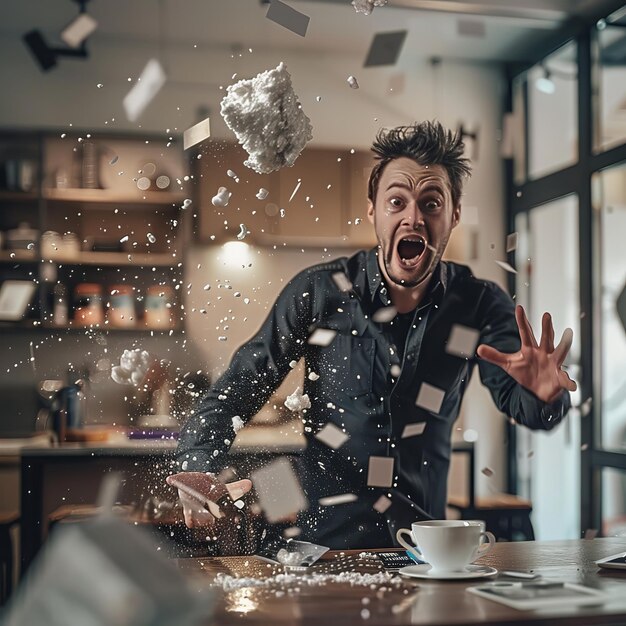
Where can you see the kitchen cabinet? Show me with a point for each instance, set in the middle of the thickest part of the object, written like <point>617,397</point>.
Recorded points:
<point>102,208</point>
<point>320,201</point>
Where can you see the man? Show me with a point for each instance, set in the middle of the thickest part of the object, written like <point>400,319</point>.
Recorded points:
<point>392,362</point>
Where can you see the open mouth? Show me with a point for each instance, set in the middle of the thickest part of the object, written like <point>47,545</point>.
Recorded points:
<point>410,249</point>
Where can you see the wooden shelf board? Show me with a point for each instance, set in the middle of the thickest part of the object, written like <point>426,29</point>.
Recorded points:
<point>107,196</point>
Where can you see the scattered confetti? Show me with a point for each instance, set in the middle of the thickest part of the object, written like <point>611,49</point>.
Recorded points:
<point>321,337</point>
<point>430,398</point>
<point>342,281</point>
<point>487,471</point>
<point>279,491</point>
<point>197,133</point>
<point>295,190</point>
<point>382,504</point>
<point>462,341</point>
<point>511,242</point>
<point>144,90</point>
<point>343,498</point>
<point>352,81</point>
<point>380,471</point>
<point>288,17</point>
<point>412,430</point>
<point>506,267</point>
<point>237,423</point>
<point>313,376</point>
<point>396,370</point>
<point>262,193</point>
<point>385,315</point>
<point>332,436</point>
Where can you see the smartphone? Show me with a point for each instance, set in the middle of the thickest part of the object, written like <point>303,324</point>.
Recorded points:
<point>616,561</point>
<point>396,560</point>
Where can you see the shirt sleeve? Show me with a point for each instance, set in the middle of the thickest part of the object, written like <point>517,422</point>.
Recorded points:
<point>500,331</point>
<point>255,371</point>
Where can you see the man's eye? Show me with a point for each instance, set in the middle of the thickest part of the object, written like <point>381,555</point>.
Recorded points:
<point>396,202</point>
<point>433,205</point>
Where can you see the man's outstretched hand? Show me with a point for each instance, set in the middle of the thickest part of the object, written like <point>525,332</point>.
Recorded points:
<point>204,498</point>
<point>537,367</point>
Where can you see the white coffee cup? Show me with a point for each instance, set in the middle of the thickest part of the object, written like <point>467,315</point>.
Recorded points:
<point>448,545</point>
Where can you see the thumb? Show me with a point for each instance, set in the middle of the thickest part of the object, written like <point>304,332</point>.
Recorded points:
<point>239,488</point>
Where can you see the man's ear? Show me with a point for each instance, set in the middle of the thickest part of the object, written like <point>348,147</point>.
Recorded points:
<point>370,211</point>
<point>456,215</point>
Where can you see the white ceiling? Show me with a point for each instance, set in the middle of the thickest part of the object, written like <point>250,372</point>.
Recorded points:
<point>509,26</point>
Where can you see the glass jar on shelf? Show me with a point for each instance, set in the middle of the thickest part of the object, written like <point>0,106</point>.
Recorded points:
<point>88,309</point>
<point>121,307</point>
<point>158,307</point>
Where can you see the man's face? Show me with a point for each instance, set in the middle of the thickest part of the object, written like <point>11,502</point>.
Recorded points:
<point>413,216</point>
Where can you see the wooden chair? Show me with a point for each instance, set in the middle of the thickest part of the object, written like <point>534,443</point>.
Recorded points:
<point>507,516</point>
<point>7,521</point>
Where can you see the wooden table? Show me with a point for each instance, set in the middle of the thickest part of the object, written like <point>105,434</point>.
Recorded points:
<point>414,601</point>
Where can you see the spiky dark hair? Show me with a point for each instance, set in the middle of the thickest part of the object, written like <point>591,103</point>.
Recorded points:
<point>427,143</point>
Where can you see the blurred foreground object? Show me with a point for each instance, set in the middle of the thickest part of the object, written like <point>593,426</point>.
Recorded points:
<point>105,573</point>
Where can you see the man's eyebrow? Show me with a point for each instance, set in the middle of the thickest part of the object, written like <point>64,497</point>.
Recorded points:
<point>400,184</point>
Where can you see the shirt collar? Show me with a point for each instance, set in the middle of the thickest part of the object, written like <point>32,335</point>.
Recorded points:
<point>378,286</point>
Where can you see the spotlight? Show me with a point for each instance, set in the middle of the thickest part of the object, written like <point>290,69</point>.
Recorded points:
<point>74,35</point>
<point>544,83</point>
<point>47,56</point>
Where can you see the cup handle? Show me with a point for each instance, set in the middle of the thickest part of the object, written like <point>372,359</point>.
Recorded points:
<point>407,546</point>
<point>485,548</point>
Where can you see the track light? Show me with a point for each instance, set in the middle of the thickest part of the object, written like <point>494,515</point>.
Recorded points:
<point>74,35</point>
<point>544,83</point>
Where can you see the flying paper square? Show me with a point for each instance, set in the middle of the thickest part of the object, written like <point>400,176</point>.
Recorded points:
<point>78,30</point>
<point>412,430</point>
<point>385,48</point>
<point>511,242</point>
<point>343,498</point>
<point>380,471</point>
<point>342,282</point>
<point>385,315</point>
<point>197,133</point>
<point>279,490</point>
<point>506,267</point>
<point>288,17</point>
<point>382,504</point>
<point>430,398</point>
<point>462,341</point>
<point>144,90</point>
<point>332,436</point>
<point>322,337</point>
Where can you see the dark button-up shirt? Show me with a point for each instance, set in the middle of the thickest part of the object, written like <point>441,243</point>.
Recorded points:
<point>371,388</point>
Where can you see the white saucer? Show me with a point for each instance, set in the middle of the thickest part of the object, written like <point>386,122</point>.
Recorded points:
<point>471,571</point>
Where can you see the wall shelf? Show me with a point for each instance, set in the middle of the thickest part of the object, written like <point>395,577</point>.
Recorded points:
<point>107,196</point>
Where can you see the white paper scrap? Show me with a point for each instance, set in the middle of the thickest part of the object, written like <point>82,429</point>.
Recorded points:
<point>412,430</point>
<point>332,436</point>
<point>78,30</point>
<point>343,498</point>
<point>505,266</point>
<point>197,133</point>
<point>382,504</point>
<point>462,341</point>
<point>380,471</point>
<point>279,491</point>
<point>144,90</point>
<point>321,337</point>
<point>342,282</point>
<point>511,242</point>
<point>385,315</point>
<point>396,370</point>
<point>430,398</point>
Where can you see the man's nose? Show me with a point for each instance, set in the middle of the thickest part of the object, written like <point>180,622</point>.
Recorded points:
<point>413,217</point>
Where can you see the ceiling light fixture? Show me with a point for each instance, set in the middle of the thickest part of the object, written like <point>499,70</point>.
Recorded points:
<point>74,35</point>
<point>544,83</point>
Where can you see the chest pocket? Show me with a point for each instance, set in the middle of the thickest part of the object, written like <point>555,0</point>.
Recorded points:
<point>349,361</point>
